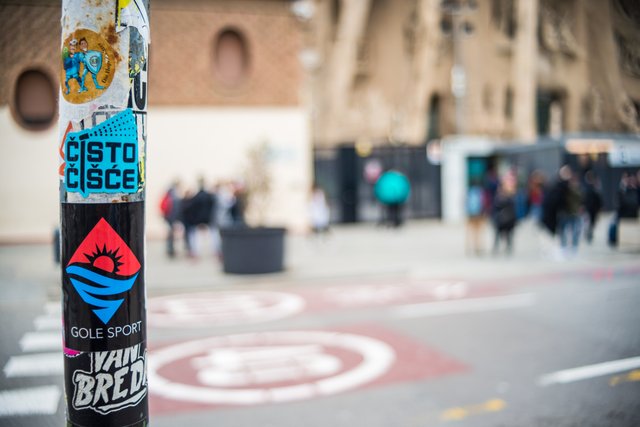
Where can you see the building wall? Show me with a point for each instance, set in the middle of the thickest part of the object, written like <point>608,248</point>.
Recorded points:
<point>581,53</point>
<point>182,53</point>
<point>199,123</point>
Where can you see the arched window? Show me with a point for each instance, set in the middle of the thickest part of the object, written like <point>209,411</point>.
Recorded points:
<point>231,57</point>
<point>34,102</point>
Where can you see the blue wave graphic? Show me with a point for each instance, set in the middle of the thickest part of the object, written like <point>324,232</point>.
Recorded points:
<point>85,282</point>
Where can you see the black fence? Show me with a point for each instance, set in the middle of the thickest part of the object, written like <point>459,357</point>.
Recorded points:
<point>348,180</point>
<point>548,155</point>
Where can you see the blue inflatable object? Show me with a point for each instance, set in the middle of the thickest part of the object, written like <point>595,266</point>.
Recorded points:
<point>392,187</point>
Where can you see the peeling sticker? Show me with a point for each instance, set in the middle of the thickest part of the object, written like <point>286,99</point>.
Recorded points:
<point>96,76</point>
<point>137,53</point>
<point>132,13</point>
<point>88,66</point>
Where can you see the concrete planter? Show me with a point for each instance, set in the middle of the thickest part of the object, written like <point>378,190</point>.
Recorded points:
<point>249,250</point>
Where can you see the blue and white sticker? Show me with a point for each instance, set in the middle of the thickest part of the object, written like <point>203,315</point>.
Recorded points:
<point>103,159</point>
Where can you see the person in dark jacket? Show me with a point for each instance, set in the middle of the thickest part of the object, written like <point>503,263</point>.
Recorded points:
<point>569,220</point>
<point>504,218</point>
<point>627,203</point>
<point>554,200</point>
<point>171,209</point>
<point>198,212</point>
<point>592,202</point>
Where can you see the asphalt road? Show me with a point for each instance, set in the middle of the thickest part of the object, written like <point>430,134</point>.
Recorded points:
<point>488,342</point>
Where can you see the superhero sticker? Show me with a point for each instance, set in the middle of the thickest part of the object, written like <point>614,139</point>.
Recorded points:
<point>88,66</point>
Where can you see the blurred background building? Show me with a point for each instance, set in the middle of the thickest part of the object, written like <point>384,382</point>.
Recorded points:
<point>340,90</point>
<point>396,77</point>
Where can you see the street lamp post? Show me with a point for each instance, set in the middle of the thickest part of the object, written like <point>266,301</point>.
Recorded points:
<point>460,27</point>
<point>103,132</point>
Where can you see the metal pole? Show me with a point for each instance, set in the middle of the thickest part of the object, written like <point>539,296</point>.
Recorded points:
<point>103,133</point>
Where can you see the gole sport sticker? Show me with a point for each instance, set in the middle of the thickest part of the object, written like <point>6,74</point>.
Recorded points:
<point>103,281</point>
<point>103,266</point>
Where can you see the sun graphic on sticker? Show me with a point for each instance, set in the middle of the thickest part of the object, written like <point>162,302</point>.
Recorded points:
<point>104,259</point>
<point>103,249</point>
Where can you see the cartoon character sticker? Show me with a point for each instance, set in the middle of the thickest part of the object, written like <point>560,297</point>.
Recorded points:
<point>86,54</point>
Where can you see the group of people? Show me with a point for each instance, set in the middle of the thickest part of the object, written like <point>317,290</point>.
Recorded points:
<point>202,209</point>
<point>567,208</point>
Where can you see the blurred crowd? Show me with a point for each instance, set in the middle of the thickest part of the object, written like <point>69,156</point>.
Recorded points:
<point>194,213</point>
<point>188,212</point>
<point>565,207</point>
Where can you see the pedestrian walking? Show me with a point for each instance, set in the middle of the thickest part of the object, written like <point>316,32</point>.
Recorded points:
<point>591,202</point>
<point>569,219</point>
<point>535,195</point>
<point>214,226</point>
<point>504,217</point>
<point>627,204</point>
<point>238,205</point>
<point>476,210</point>
<point>392,190</point>
<point>170,208</point>
<point>197,214</point>
<point>319,211</point>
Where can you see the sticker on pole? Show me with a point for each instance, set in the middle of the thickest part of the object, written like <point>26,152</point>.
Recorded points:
<point>103,159</point>
<point>103,266</point>
<point>206,309</point>
<point>88,66</point>
<point>284,366</point>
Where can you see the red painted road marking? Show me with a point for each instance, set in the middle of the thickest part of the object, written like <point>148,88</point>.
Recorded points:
<point>210,309</point>
<point>207,309</point>
<point>283,366</point>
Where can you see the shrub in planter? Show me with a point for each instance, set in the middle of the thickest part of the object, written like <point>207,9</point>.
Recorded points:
<point>253,248</point>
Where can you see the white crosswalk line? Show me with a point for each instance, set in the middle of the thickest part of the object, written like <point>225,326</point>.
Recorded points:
<point>47,322</point>
<point>41,341</point>
<point>53,308</point>
<point>30,401</point>
<point>34,365</point>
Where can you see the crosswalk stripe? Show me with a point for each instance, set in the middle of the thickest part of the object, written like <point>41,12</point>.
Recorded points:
<point>34,365</point>
<point>30,401</point>
<point>47,322</point>
<point>41,341</point>
<point>53,308</point>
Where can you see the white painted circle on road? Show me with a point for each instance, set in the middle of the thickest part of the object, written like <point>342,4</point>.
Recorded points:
<point>206,309</point>
<point>267,367</point>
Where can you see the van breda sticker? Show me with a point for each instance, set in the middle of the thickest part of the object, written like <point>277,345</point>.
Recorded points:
<point>103,159</point>
<point>116,380</point>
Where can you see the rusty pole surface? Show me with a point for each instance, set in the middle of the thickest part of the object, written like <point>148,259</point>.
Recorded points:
<point>103,102</point>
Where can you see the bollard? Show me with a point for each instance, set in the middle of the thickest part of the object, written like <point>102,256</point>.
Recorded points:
<point>103,132</point>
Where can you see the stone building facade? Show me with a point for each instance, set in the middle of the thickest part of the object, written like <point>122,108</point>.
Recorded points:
<point>412,70</point>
